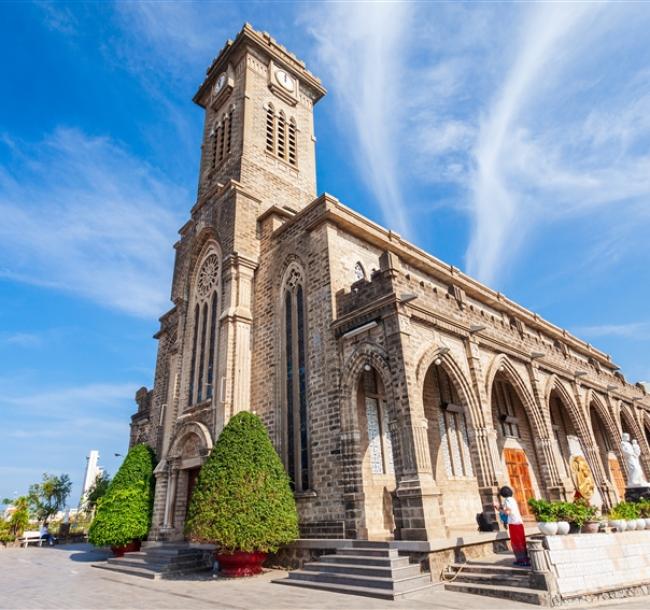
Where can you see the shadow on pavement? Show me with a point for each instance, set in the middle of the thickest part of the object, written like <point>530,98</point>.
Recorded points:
<point>83,552</point>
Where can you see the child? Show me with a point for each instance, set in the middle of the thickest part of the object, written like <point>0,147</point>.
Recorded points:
<point>510,508</point>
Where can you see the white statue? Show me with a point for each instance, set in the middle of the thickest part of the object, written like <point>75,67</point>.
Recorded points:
<point>631,452</point>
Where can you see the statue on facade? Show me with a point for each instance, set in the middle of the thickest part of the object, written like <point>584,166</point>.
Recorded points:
<point>631,452</point>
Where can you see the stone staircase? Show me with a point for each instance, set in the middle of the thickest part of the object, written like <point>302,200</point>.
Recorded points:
<point>361,567</point>
<point>497,577</point>
<point>160,560</point>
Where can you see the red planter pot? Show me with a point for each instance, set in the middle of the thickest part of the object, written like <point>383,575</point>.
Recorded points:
<point>130,547</point>
<point>240,563</point>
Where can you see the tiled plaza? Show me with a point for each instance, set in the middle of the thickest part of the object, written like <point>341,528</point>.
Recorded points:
<point>63,577</point>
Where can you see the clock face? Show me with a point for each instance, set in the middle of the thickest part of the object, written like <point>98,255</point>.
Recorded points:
<point>221,81</point>
<point>284,80</point>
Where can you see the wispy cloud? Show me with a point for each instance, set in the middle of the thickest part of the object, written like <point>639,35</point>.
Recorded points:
<point>639,331</point>
<point>82,215</point>
<point>20,339</point>
<point>359,50</point>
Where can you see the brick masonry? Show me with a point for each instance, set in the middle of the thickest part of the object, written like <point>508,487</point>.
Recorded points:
<point>371,300</point>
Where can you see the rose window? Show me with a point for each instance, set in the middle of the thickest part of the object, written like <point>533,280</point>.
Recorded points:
<point>208,274</point>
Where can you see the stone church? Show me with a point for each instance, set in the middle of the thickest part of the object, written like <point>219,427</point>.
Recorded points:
<point>399,392</point>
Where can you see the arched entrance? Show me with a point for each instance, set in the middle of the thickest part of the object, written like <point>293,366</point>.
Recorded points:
<point>376,447</point>
<point>606,450</point>
<point>189,450</point>
<point>449,434</point>
<point>515,442</point>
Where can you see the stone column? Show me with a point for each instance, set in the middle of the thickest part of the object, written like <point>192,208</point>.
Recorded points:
<point>489,469</point>
<point>236,321</point>
<point>545,444</point>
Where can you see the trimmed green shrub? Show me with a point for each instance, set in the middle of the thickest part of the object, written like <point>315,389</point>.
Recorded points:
<point>625,510</point>
<point>543,510</point>
<point>124,512</point>
<point>242,500</point>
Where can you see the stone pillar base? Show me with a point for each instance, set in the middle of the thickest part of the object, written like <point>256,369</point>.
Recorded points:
<point>420,515</point>
<point>634,494</point>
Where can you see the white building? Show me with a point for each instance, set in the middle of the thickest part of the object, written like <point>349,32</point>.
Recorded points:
<point>92,472</point>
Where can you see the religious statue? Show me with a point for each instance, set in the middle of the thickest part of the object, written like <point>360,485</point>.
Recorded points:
<point>582,479</point>
<point>631,452</point>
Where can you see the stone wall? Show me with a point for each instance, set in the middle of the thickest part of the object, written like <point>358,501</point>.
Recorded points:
<point>586,567</point>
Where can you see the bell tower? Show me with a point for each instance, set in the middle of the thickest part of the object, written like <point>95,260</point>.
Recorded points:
<point>258,100</point>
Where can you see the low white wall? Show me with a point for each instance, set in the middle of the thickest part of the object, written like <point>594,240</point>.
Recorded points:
<point>587,564</point>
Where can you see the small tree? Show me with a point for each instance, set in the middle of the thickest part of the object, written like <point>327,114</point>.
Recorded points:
<point>49,496</point>
<point>124,512</point>
<point>242,499</point>
<point>19,518</point>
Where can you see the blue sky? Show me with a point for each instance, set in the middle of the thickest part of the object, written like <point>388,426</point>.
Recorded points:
<point>511,140</point>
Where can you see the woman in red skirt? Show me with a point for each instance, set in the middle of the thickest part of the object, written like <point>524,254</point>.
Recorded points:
<point>510,508</point>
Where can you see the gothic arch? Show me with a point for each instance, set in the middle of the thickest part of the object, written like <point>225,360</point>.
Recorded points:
<point>593,401</point>
<point>292,261</point>
<point>366,353</point>
<point>555,384</point>
<point>456,375</point>
<point>501,364</point>
<point>630,420</point>
<point>205,240</point>
<point>187,430</point>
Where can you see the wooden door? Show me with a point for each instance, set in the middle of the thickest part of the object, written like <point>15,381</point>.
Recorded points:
<point>617,476</point>
<point>519,476</point>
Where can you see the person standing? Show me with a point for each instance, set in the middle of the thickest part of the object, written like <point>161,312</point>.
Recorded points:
<point>510,509</point>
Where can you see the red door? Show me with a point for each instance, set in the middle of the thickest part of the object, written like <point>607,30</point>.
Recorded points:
<point>519,476</point>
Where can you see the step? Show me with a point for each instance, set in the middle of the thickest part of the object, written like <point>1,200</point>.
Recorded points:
<point>376,582</point>
<point>351,590</point>
<point>518,594</point>
<point>490,568</point>
<point>370,544</point>
<point>364,570</point>
<point>361,551</point>
<point>159,566</point>
<point>393,561</point>
<point>494,579</point>
<point>130,570</point>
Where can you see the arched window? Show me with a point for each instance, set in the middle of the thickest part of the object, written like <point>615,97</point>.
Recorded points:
<point>205,295</point>
<point>359,272</point>
<point>216,138</point>
<point>295,385</point>
<point>380,445</point>
<point>452,427</point>
<point>282,136</point>
<point>270,129</point>
<point>506,403</point>
<point>292,149</point>
<point>222,140</point>
<point>228,132</point>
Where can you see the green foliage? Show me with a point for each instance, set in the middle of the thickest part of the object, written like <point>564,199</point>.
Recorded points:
<point>543,510</point>
<point>97,490</point>
<point>5,532</point>
<point>49,496</point>
<point>625,510</point>
<point>644,508</point>
<point>578,512</point>
<point>242,499</point>
<point>124,511</point>
<point>19,519</point>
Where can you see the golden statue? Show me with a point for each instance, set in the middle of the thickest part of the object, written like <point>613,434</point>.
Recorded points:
<point>581,476</point>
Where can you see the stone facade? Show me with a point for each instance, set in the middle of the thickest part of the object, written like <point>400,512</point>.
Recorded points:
<point>399,392</point>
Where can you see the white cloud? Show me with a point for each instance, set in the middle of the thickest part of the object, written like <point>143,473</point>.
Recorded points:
<point>20,339</point>
<point>359,51</point>
<point>639,331</point>
<point>82,215</point>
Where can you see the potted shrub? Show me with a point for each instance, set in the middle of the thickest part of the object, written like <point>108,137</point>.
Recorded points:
<point>623,516</point>
<point>583,516</point>
<point>242,501</point>
<point>564,513</point>
<point>644,511</point>
<point>545,515</point>
<point>123,514</point>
